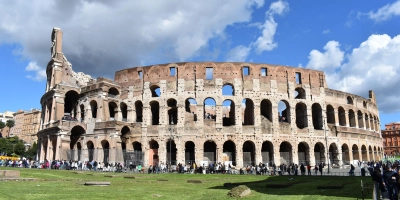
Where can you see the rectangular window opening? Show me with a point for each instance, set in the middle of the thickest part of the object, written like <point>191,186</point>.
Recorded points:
<point>264,72</point>
<point>246,71</point>
<point>209,73</point>
<point>172,71</point>
<point>298,78</point>
<point>140,73</point>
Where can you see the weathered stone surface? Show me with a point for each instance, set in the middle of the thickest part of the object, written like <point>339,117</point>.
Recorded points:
<point>98,183</point>
<point>239,191</point>
<point>10,173</point>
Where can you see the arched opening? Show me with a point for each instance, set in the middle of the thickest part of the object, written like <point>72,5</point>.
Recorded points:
<point>364,104</point>
<point>301,115</point>
<point>371,122</point>
<point>137,146</point>
<point>209,109</point>
<point>317,116</point>
<point>125,131</point>
<point>70,103</point>
<point>153,152</point>
<point>113,108</point>
<point>82,107</point>
<point>172,112</point>
<point>352,118</point>
<point>191,111</point>
<point>228,113</point>
<point>210,151</point>
<point>284,111</point>
<point>303,153</point>
<point>360,118</point>
<point>228,90</point>
<point>249,153</point>
<point>124,111</point>
<point>285,151</point>
<point>155,112</point>
<point>355,151</point>
<point>319,153</point>
<point>333,155</point>
<point>366,121</point>
<point>342,116</point>
<point>229,152</point>
<point>364,153</point>
<point>299,93</point>
<point>370,153</point>
<point>330,114</point>
<point>106,151</point>
<point>171,152</point>
<point>113,92</point>
<point>54,148</point>
<point>93,107</point>
<point>79,149</point>
<point>76,133</point>
<point>155,91</point>
<point>139,111</point>
<point>349,100</point>
<point>345,155</point>
<point>375,154</point>
<point>189,153</point>
<point>266,109</point>
<point>248,114</point>
<point>90,148</point>
<point>267,153</point>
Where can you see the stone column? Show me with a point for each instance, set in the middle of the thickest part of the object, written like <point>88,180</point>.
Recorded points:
<point>336,118</point>
<point>58,146</point>
<point>48,154</point>
<point>346,114</point>
<point>356,119</point>
<point>340,157</point>
<point>295,156</point>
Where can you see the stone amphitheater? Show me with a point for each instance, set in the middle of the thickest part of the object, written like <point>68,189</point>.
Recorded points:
<point>204,112</point>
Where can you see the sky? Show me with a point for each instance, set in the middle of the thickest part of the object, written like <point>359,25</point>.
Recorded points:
<point>356,43</point>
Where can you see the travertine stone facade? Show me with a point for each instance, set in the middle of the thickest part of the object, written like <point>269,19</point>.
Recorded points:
<point>391,139</point>
<point>27,124</point>
<point>243,113</point>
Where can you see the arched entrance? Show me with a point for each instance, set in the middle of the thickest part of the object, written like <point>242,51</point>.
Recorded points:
<point>370,153</point>
<point>345,154</point>
<point>267,152</point>
<point>210,149</point>
<point>333,154</point>
<point>303,153</point>
<point>229,152</point>
<point>76,133</point>
<point>90,148</point>
<point>355,151</point>
<point>249,153</point>
<point>189,152</point>
<point>364,153</point>
<point>285,151</point>
<point>319,153</point>
<point>153,152</point>
<point>171,152</point>
<point>106,151</point>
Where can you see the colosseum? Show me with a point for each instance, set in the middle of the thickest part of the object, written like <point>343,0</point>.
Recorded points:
<point>237,112</point>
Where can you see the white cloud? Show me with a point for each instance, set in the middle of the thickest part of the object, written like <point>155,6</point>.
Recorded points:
<point>328,60</point>
<point>374,65</point>
<point>40,74</point>
<point>326,31</point>
<point>386,12</point>
<point>101,37</point>
<point>266,41</point>
<point>238,54</point>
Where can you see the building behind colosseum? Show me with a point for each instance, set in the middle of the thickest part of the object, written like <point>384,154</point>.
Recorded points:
<point>245,113</point>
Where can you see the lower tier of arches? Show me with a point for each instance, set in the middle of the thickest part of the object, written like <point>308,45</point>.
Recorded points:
<point>247,150</point>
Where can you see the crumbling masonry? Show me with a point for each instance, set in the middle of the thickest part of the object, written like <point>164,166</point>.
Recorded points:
<point>243,113</point>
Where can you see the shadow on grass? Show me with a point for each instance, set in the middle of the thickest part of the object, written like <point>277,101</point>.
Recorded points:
<point>325,186</point>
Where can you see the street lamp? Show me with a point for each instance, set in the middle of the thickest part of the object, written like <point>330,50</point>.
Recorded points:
<point>326,143</point>
<point>170,147</point>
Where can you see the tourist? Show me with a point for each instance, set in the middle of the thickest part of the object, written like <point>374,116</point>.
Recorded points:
<point>309,169</point>
<point>390,182</point>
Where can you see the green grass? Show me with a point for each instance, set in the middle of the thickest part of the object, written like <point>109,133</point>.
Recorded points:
<point>62,184</point>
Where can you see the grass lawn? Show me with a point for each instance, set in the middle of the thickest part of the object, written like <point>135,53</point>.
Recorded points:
<point>62,184</point>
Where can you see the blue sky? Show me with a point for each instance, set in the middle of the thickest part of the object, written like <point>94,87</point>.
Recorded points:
<point>356,43</point>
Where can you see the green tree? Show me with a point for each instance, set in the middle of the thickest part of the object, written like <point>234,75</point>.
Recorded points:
<point>31,152</point>
<point>2,125</point>
<point>10,123</point>
<point>6,148</point>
